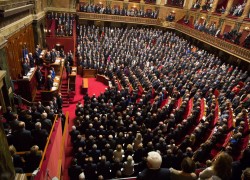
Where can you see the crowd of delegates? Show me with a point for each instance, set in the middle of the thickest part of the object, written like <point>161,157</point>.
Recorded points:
<point>134,12</point>
<point>154,76</point>
<point>210,28</point>
<point>28,130</point>
<point>64,23</point>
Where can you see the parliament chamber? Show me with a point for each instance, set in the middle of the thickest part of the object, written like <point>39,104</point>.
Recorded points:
<point>124,89</point>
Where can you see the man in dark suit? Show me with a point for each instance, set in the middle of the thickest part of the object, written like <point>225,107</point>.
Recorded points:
<point>31,60</point>
<point>53,55</point>
<point>90,169</point>
<point>49,83</point>
<point>46,123</point>
<point>14,124</point>
<point>35,114</point>
<point>8,115</point>
<point>37,57</point>
<point>74,170</point>
<point>39,77</point>
<point>22,138</point>
<point>94,153</point>
<point>26,67</point>
<point>68,69</point>
<point>73,134</point>
<point>32,159</point>
<point>40,107</point>
<point>154,170</point>
<point>59,101</point>
<point>103,168</point>
<point>40,135</point>
<point>50,113</point>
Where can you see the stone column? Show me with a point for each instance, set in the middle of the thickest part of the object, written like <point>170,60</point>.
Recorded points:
<point>229,5</point>
<point>246,10</point>
<point>214,6</point>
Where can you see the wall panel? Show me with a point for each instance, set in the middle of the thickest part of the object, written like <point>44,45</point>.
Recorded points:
<point>14,47</point>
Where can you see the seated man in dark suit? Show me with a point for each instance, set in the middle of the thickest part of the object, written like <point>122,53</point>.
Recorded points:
<point>154,170</point>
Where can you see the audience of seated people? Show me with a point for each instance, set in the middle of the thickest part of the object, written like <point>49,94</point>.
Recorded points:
<point>134,12</point>
<point>155,75</point>
<point>64,23</point>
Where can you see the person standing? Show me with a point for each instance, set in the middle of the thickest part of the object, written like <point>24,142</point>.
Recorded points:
<point>39,77</point>
<point>59,102</point>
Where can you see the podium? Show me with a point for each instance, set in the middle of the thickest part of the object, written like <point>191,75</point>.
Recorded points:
<point>89,73</point>
<point>27,86</point>
<point>72,79</point>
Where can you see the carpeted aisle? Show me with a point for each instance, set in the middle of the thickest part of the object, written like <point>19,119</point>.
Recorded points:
<point>96,88</point>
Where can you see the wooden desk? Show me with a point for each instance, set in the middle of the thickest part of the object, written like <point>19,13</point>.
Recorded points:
<point>27,86</point>
<point>88,73</point>
<point>102,79</point>
<point>72,78</point>
<point>85,85</point>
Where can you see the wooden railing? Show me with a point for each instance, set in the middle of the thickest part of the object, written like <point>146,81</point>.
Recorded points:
<point>64,142</point>
<point>24,101</point>
<point>48,142</point>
